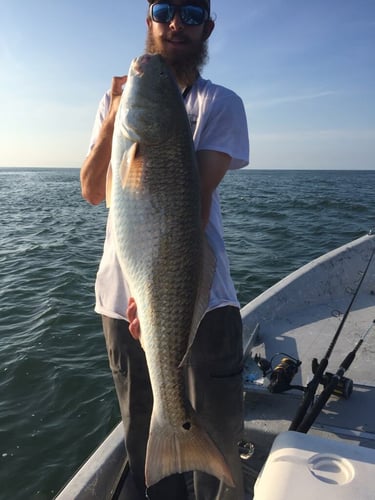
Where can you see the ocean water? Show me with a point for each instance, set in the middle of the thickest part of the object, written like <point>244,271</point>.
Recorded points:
<point>57,401</point>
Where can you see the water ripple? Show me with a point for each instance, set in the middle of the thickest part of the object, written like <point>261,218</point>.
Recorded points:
<point>58,400</point>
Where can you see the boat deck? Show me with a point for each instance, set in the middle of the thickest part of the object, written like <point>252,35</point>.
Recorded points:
<point>299,317</point>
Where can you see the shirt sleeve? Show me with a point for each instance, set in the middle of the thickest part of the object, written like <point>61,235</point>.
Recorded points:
<point>225,128</point>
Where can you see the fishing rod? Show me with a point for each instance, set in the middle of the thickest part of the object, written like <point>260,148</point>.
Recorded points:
<point>310,416</point>
<point>322,366</point>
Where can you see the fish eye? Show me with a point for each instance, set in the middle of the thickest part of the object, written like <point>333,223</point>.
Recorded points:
<point>186,426</point>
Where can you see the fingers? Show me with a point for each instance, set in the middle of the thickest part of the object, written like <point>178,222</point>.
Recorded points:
<point>135,329</point>
<point>117,84</point>
<point>116,91</point>
<point>134,325</point>
<point>131,311</point>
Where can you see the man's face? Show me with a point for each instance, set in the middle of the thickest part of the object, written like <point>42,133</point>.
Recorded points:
<point>175,41</point>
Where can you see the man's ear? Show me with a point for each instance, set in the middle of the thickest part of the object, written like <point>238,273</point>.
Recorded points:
<point>208,28</point>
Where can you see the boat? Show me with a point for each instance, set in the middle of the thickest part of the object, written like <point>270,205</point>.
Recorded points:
<point>309,388</point>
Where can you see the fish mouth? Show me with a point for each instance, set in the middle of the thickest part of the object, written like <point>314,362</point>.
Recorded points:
<point>140,63</point>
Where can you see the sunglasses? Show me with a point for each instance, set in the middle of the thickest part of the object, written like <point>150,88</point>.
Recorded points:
<point>191,15</point>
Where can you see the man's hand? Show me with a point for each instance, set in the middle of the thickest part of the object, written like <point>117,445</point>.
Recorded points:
<point>116,91</point>
<point>94,169</point>
<point>131,313</point>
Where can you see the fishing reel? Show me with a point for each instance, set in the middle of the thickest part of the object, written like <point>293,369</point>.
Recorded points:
<point>282,374</point>
<point>344,387</point>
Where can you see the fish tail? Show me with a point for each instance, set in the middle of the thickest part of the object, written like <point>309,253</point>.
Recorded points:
<point>171,450</point>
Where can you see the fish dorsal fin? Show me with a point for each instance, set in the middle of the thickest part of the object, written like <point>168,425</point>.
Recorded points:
<point>204,289</point>
<point>131,168</point>
<point>108,187</point>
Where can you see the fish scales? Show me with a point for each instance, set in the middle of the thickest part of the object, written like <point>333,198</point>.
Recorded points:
<point>155,205</point>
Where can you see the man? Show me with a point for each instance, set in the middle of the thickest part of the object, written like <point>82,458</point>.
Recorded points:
<point>179,32</point>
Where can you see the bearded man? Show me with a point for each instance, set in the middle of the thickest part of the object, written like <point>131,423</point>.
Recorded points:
<point>178,31</point>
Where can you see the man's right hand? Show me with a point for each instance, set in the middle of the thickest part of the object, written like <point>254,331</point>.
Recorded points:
<point>131,313</point>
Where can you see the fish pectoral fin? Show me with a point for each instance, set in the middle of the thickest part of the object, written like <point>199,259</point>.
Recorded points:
<point>108,187</point>
<point>203,296</point>
<point>173,450</point>
<point>131,168</point>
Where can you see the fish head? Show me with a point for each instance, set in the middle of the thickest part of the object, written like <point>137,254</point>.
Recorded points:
<point>148,111</point>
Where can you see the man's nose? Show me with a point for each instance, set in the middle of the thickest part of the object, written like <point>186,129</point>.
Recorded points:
<point>176,24</point>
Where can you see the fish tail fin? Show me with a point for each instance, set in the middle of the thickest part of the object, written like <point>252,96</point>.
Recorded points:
<point>171,450</point>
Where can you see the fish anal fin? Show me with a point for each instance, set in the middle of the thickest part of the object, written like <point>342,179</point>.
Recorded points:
<point>204,289</point>
<point>131,168</point>
<point>171,451</point>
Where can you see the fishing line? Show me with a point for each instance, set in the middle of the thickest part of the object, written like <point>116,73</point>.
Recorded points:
<point>330,388</point>
<point>343,320</point>
<point>321,367</point>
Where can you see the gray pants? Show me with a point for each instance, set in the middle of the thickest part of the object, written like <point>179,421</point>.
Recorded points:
<point>214,372</point>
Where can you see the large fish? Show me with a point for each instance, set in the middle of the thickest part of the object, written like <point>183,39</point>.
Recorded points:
<point>155,205</point>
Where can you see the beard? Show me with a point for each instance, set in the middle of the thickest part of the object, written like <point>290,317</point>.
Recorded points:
<point>187,65</point>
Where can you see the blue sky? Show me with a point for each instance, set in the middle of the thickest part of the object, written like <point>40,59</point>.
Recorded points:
<point>304,69</point>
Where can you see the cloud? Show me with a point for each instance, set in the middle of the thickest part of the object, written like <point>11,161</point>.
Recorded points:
<point>314,135</point>
<point>275,101</point>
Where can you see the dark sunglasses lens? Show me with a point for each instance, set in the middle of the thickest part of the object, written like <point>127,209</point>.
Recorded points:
<point>162,12</point>
<point>193,14</point>
<point>190,14</point>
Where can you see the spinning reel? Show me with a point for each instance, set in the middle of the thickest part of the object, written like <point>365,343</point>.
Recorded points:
<point>282,374</point>
<point>344,387</point>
